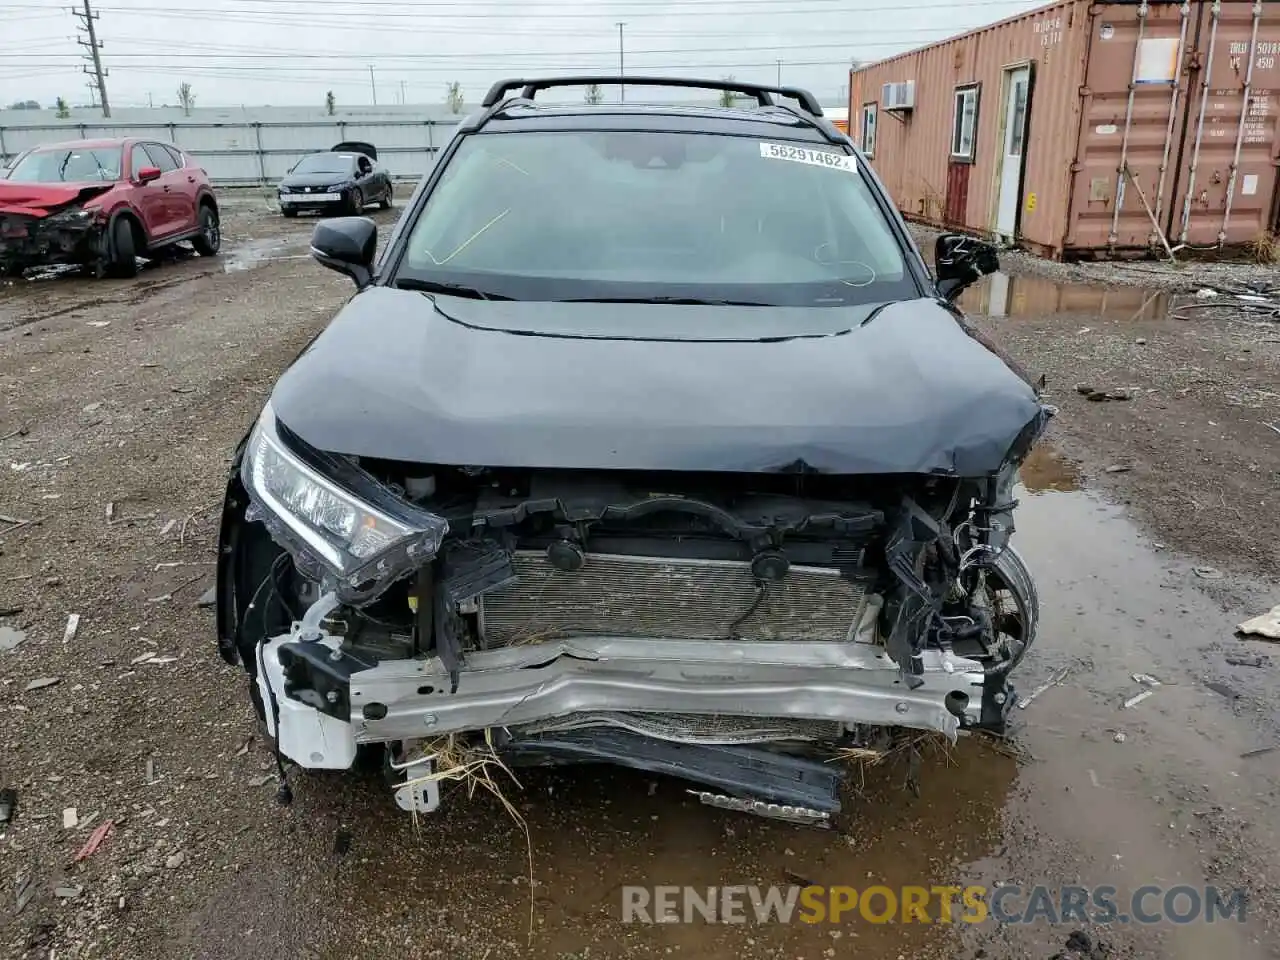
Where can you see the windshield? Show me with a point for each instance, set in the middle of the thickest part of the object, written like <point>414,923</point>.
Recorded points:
<point>656,215</point>
<point>68,166</point>
<point>325,163</point>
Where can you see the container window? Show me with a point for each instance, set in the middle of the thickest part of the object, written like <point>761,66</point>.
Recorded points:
<point>869,129</point>
<point>1019,118</point>
<point>964,125</point>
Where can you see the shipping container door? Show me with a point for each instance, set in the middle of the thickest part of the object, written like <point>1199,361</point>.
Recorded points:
<point>1013,123</point>
<point>1132,119</point>
<point>1228,176</point>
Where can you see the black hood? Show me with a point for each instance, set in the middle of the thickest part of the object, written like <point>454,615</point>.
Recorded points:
<point>906,391</point>
<point>316,179</point>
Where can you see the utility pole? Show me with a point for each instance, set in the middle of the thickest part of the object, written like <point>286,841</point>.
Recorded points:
<point>88,16</point>
<point>372,85</point>
<point>404,91</point>
<point>779,73</point>
<point>622,61</point>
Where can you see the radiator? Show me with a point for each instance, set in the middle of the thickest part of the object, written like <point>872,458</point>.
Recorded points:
<point>676,599</point>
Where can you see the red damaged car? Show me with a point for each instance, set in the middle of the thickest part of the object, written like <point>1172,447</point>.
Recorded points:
<point>103,203</point>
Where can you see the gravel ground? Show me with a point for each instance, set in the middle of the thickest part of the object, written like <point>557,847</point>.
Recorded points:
<point>131,395</point>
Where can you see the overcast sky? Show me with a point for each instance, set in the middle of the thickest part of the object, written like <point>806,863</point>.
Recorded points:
<point>290,52</point>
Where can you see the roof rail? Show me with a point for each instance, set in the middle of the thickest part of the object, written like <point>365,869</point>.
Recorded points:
<point>763,94</point>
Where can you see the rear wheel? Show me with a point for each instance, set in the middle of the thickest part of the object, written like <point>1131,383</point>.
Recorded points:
<point>209,239</point>
<point>121,259</point>
<point>385,202</point>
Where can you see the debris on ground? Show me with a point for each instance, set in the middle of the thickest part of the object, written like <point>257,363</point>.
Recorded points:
<point>42,682</point>
<point>1053,681</point>
<point>1257,752</point>
<point>10,638</point>
<point>1247,301</point>
<point>70,819</point>
<point>1222,689</point>
<point>1246,660</point>
<point>208,598</point>
<point>1208,573</point>
<point>1118,468</point>
<point>1137,699</point>
<point>8,804</point>
<point>1119,737</point>
<point>175,861</point>
<point>1146,679</point>
<point>1266,625</point>
<point>73,625</point>
<point>96,839</point>
<point>26,889</point>
<point>67,893</point>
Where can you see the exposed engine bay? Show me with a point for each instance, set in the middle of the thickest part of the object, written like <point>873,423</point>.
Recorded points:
<point>34,234</point>
<point>738,631</point>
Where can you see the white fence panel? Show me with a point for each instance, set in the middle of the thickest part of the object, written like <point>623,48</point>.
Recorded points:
<point>253,152</point>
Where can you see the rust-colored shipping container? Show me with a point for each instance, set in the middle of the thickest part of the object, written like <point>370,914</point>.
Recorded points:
<point>1077,128</point>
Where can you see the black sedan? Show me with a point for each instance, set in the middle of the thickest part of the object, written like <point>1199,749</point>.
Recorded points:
<point>346,178</point>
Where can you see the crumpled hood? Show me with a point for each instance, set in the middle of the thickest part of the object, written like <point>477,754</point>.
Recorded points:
<point>909,391</point>
<point>43,199</point>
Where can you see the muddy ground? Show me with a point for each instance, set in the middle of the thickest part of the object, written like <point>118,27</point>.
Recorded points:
<point>121,403</point>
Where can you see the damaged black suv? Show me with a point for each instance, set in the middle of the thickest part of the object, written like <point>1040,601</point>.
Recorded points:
<point>647,439</point>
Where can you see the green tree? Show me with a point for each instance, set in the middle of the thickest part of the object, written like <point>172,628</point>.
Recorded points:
<point>329,103</point>
<point>453,96</point>
<point>64,110</point>
<point>593,93</point>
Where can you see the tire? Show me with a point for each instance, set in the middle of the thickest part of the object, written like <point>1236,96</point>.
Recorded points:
<point>12,271</point>
<point>355,202</point>
<point>385,202</point>
<point>289,212</point>
<point>121,259</point>
<point>208,241</point>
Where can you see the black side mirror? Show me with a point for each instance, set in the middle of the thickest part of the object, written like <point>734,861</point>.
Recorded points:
<point>961,261</point>
<point>347,244</point>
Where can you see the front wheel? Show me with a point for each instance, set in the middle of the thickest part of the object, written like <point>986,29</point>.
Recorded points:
<point>121,260</point>
<point>355,202</point>
<point>209,239</point>
<point>385,202</point>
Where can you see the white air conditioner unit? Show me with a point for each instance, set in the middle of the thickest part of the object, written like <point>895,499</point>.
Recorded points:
<point>898,96</point>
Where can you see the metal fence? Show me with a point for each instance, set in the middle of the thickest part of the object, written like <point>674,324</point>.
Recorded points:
<point>254,152</point>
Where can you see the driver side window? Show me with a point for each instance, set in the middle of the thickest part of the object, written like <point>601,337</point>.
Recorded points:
<point>137,160</point>
<point>365,165</point>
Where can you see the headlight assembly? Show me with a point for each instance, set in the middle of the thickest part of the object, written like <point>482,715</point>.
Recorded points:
<point>341,526</point>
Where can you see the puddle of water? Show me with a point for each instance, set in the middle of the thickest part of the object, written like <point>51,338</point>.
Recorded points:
<point>1045,469</point>
<point>10,638</point>
<point>1006,295</point>
<point>254,253</point>
<point>1128,811</point>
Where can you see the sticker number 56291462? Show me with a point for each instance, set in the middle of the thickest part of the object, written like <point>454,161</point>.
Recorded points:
<point>817,158</point>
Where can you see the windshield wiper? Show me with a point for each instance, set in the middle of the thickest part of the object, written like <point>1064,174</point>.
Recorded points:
<point>687,301</point>
<point>442,286</point>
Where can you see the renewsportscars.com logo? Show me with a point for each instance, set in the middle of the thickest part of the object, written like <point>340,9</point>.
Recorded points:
<point>1011,904</point>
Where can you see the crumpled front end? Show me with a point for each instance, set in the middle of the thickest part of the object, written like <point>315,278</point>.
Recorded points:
<point>739,631</point>
<point>70,235</point>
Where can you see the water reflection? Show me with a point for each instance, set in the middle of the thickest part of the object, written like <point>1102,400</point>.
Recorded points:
<point>1005,295</point>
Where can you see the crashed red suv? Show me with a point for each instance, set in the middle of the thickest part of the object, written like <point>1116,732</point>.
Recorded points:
<point>102,204</point>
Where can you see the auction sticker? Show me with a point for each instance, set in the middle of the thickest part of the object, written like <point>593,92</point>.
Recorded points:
<point>817,158</point>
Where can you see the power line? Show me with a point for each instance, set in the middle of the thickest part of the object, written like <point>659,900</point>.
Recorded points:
<point>722,8</point>
<point>94,44</point>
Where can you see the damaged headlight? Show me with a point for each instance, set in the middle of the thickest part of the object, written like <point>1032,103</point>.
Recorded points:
<point>342,527</point>
<point>71,218</point>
